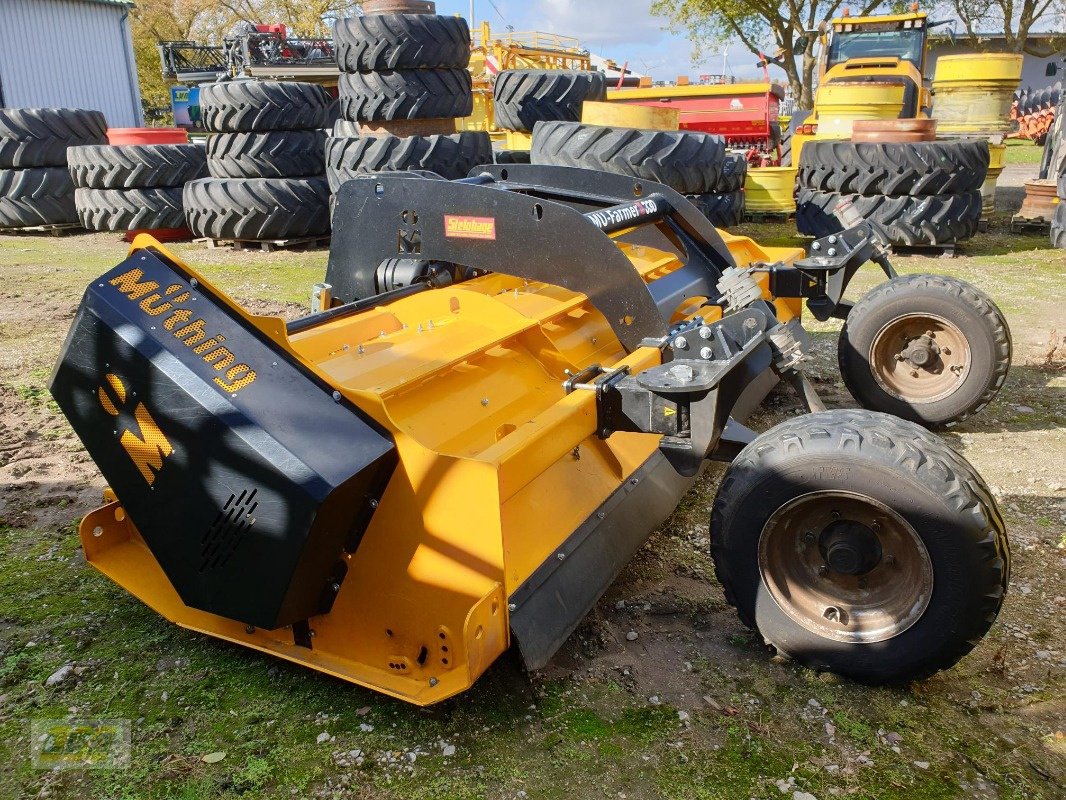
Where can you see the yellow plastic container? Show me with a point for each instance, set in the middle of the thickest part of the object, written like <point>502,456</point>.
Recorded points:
<point>973,93</point>
<point>841,104</point>
<point>624,115</point>
<point>770,190</point>
<point>517,140</point>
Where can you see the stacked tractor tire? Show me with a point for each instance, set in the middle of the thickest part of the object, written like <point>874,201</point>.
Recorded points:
<point>921,193</point>
<point>403,83</point>
<point>133,187</point>
<point>694,164</point>
<point>265,159</point>
<point>35,187</point>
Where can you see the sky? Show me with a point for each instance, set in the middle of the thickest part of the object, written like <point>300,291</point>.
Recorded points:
<point>621,29</point>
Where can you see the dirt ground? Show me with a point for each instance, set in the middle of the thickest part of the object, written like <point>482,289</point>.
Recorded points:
<point>691,707</point>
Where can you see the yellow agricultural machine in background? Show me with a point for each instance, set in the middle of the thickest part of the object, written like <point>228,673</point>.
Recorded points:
<point>518,377</point>
<point>871,68</point>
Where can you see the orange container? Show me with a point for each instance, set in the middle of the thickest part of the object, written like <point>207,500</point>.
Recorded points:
<point>118,136</point>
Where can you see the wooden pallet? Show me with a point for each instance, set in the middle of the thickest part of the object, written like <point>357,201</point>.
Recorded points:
<point>52,229</point>
<point>933,250</point>
<point>268,245</point>
<point>1038,224</point>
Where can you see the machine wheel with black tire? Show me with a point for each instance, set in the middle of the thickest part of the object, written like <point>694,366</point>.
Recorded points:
<point>686,161</point>
<point>451,157</point>
<point>510,157</point>
<point>247,105</point>
<point>37,196</point>
<point>908,221</point>
<point>406,94</point>
<point>39,137</point>
<point>377,42</point>
<point>724,210</point>
<point>272,154</point>
<point>130,209</point>
<point>1058,227</point>
<point>524,97</point>
<point>928,348</point>
<point>257,208</point>
<point>887,577</point>
<point>136,166</point>
<point>894,168</point>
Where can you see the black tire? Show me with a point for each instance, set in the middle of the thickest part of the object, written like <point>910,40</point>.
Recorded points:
<point>37,196</point>
<point>913,473</point>
<point>687,162</point>
<point>345,129</point>
<point>130,209</point>
<point>722,210</point>
<point>406,94</point>
<point>734,173</point>
<point>246,105</point>
<point>908,221</point>
<point>510,157</point>
<point>894,168</point>
<point>964,306</point>
<point>451,157</point>
<point>275,154</point>
<point>379,42</point>
<point>257,209</point>
<point>1058,227</point>
<point>524,97</point>
<point>39,137</point>
<point>99,166</point>
<point>786,148</point>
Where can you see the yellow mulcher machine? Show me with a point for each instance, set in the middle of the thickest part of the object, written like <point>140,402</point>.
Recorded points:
<point>518,377</point>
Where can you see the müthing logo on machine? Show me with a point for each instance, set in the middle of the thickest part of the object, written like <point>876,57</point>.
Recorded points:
<point>191,334</point>
<point>148,446</point>
<point>470,227</point>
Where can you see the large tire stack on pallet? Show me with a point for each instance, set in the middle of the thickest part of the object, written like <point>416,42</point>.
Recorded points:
<point>403,84</point>
<point>922,194</point>
<point>694,164</point>
<point>35,186</point>
<point>265,159</point>
<point>134,187</point>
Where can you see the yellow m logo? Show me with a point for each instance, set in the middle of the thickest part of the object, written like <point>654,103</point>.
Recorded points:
<point>147,449</point>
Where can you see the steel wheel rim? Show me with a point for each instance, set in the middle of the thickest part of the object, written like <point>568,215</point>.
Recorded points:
<point>873,605</point>
<point>920,358</point>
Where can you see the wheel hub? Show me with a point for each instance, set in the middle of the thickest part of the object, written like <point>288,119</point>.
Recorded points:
<point>850,548</point>
<point>919,358</point>
<point>845,566</point>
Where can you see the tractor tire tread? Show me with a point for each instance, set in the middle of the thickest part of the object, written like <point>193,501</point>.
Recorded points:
<point>451,157</point>
<point>130,209</point>
<point>686,161</point>
<point>378,42</point>
<point>98,166</point>
<point>36,196</point>
<point>39,137</point>
<point>524,97</point>
<point>406,94</point>
<point>244,106</point>
<point>894,168</point>
<point>258,208</point>
<point>908,221</point>
<point>270,154</point>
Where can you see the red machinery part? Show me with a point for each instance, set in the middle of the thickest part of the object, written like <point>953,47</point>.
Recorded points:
<point>120,136</point>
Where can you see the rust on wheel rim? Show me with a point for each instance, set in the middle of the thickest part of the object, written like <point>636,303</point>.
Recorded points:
<point>845,566</point>
<point>920,358</point>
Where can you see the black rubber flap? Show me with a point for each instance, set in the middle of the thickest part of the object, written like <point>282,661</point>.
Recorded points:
<point>243,473</point>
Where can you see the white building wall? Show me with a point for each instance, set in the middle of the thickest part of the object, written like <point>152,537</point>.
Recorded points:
<point>69,54</point>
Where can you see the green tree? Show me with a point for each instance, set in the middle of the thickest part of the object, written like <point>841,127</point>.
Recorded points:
<point>768,27</point>
<point>1015,19</point>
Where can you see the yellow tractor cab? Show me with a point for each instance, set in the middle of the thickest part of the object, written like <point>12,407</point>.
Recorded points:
<point>871,68</point>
